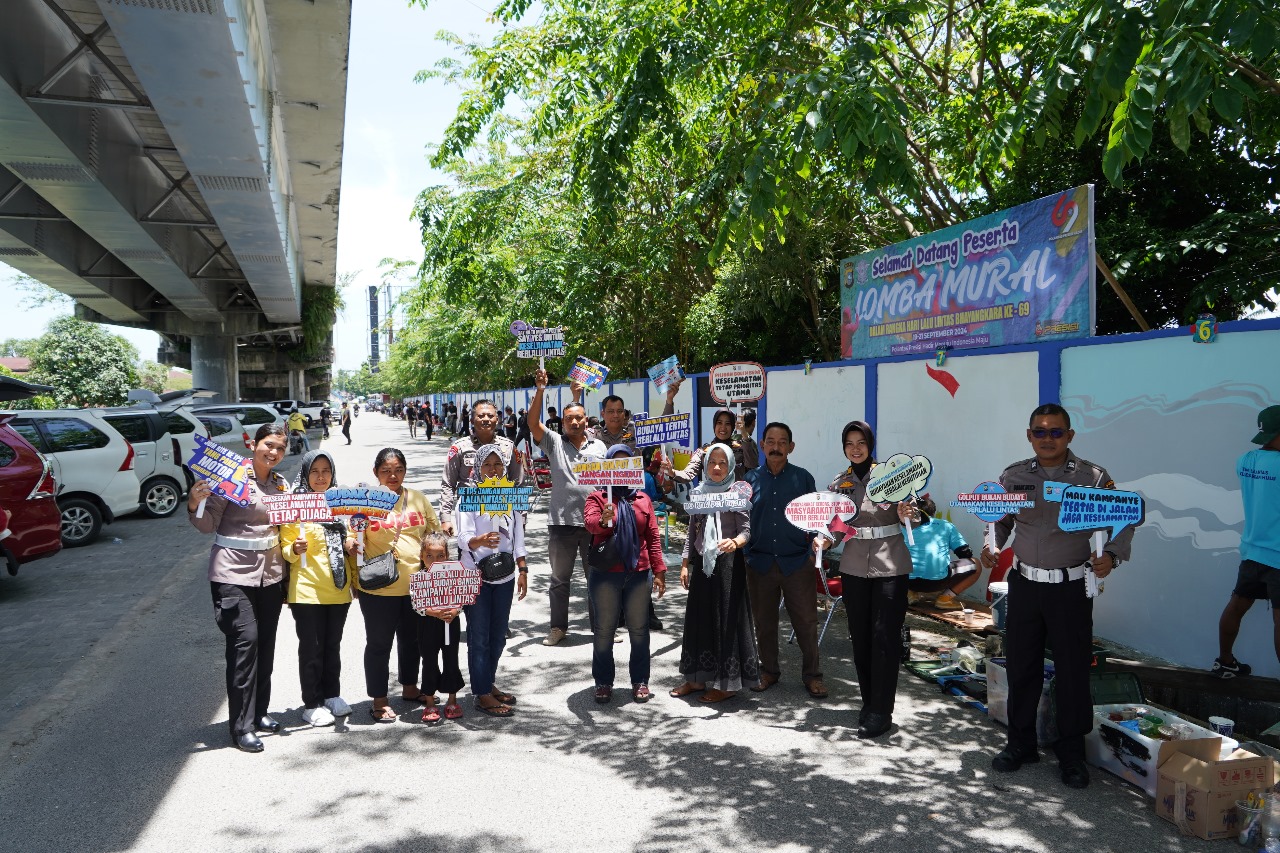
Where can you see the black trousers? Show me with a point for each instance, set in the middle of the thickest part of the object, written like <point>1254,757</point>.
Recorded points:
<point>876,608</point>
<point>319,628</point>
<point>437,676</point>
<point>387,618</point>
<point>428,426</point>
<point>346,431</point>
<point>1059,616</point>
<point>248,617</point>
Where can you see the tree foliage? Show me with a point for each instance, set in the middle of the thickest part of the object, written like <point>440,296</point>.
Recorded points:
<point>661,177</point>
<point>85,364</point>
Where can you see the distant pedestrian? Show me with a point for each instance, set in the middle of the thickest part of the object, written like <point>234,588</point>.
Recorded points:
<point>345,420</point>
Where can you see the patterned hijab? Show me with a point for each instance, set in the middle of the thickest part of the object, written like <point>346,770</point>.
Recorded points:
<point>711,533</point>
<point>334,531</point>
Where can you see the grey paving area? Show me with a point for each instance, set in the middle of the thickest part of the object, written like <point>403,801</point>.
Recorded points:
<point>114,735</point>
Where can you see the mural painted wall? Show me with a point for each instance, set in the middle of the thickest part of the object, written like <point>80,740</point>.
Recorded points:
<point>1169,418</point>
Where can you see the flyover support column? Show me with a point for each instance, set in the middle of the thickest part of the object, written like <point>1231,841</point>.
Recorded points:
<point>214,366</point>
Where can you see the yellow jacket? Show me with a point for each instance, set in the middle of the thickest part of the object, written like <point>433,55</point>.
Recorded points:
<point>297,421</point>
<point>404,527</point>
<point>310,581</point>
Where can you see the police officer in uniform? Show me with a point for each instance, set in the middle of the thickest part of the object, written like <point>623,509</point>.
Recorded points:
<point>462,457</point>
<point>1048,604</point>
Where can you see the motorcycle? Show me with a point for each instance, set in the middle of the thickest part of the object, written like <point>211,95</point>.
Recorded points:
<point>295,442</point>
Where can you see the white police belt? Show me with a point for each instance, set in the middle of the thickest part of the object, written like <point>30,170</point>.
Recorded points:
<point>876,532</point>
<point>265,544</point>
<point>1039,575</point>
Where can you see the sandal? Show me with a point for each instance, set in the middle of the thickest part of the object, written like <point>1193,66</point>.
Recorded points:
<point>431,714</point>
<point>385,714</point>
<point>421,697</point>
<point>496,710</point>
<point>717,696</point>
<point>504,698</point>
<point>453,711</point>
<point>603,693</point>
<point>640,692</point>
<point>685,689</point>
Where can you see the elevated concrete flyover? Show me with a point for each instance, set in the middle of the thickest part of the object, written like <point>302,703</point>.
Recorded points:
<point>175,165</point>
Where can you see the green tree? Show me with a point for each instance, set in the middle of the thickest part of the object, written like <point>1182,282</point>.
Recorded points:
<point>152,376</point>
<point>85,364</point>
<point>16,347</point>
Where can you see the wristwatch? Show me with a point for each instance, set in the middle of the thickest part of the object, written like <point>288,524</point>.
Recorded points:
<point>1115,561</point>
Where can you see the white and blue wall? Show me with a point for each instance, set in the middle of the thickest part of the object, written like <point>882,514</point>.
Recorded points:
<point>1167,417</point>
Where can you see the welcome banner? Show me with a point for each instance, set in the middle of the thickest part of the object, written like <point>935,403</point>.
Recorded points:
<point>1018,276</point>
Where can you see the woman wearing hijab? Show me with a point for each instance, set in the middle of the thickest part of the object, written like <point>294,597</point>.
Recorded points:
<point>495,544</point>
<point>722,424</point>
<point>318,554</point>
<point>718,653</point>
<point>626,562</point>
<point>875,566</point>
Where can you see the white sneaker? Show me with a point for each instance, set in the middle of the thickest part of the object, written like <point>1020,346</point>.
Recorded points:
<point>338,706</point>
<point>318,716</point>
<point>554,637</point>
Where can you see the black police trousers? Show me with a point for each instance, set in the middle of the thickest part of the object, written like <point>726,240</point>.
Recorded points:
<point>1058,616</point>
<point>248,616</point>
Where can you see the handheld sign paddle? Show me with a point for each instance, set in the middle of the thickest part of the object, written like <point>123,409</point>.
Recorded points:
<point>897,478</point>
<point>736,498</point>
<point>824,513</point>
<point>226,472</point>
<point>989,502</point>
<point>444,586</point>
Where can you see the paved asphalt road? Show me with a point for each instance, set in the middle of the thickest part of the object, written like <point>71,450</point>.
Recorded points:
<point>114,728</point>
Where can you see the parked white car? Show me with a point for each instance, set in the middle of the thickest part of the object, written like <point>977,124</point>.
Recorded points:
<point>92,462</point>
<point>252,415</point>
<point>159,458</point>
<point>227,430</point>
<point>310,411</point>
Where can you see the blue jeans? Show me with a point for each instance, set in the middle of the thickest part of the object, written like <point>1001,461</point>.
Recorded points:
<point>487,633</point>
<point>610,593</point>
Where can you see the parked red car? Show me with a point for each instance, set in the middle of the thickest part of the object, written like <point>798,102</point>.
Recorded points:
<point>33,526</point>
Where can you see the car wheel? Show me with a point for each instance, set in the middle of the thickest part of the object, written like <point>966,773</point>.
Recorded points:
<point>81,522</point>
<point>160,498</point>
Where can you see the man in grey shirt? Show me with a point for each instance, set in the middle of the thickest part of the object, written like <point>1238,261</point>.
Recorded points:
<point>567,536</point>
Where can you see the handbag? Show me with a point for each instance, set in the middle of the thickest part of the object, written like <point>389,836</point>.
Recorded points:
<point>498,566</point>
<point>380,571</point>
<point>603,555</point>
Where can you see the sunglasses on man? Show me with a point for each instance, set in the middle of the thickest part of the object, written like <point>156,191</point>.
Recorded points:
<point>1041,432</point>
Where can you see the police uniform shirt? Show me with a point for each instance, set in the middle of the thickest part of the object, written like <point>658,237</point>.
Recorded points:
<point>871,558</point>
<point>1039,541</point>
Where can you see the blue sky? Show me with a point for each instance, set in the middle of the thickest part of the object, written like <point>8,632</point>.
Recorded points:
<point>390,122</point>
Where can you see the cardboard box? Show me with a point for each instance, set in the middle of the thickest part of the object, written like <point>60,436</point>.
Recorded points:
<point>1136,758</point>
<point>998,702</point>
<point>1199,794</point>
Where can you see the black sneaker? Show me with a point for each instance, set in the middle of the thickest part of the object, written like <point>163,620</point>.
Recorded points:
<point>1225,671</point>
<point>1011,758</point>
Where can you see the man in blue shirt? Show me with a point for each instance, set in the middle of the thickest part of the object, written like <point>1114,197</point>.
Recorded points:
<point>780,561</point>
<point>1259,577</point>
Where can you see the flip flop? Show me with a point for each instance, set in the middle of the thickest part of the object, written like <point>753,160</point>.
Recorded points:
<point>453,712</point>
<point>504,698</point>
<point>431,714</point>
<point>496,710</point>
<point>383,715</point>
